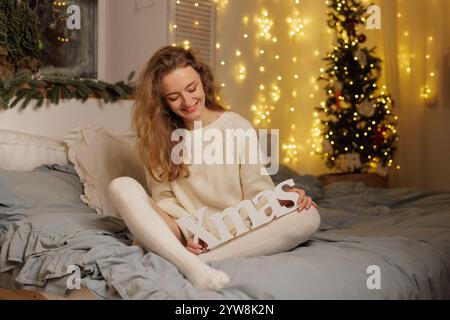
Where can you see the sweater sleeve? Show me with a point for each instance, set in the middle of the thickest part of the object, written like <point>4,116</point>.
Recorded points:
<point>164,197</point>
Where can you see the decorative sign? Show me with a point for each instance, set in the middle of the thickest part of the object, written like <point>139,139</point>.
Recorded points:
<point>258,217</point>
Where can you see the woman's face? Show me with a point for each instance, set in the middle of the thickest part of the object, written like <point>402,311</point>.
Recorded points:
<point>183,91</point>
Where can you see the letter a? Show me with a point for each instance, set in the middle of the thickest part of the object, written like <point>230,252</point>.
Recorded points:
<point>374,281</point>
<point>73,21</point>
<point>374,21</point>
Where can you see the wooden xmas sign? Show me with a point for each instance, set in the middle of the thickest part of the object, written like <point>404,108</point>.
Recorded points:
<point>258,217</point>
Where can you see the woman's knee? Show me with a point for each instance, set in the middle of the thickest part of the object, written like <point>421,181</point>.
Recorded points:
<point>302,224</point>
<point>123,185</point>
<point>313,221</point>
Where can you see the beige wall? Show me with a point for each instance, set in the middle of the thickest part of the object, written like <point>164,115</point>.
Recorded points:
<point>424,147</point>
<point>130,31</point>
<point>240,95</point>
<point>438,122</point>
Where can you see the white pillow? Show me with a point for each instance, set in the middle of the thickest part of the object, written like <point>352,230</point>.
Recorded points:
<point>24,151</point>
<point>99,157</point>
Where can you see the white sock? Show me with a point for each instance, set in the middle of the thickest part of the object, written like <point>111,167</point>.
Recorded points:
<point>152,232</point>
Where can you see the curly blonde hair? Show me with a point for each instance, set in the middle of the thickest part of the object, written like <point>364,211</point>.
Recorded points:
<point>154,121</point>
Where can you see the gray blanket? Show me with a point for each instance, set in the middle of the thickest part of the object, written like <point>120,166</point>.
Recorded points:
<point>404,234</point>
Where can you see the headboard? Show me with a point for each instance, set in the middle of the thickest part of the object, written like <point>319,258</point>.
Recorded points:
<point>55,120</point>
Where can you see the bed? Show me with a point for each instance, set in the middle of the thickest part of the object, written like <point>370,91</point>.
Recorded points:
<point>60,238</point>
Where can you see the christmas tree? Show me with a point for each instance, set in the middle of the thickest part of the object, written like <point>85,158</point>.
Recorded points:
<point>358,124</point>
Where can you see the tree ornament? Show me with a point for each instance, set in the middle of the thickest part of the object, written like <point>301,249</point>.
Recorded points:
<point>382,170</point>
<point>361,125</point>
<point>332,118</point>
<point>362,38</point>
<point>366,109</point>
<point>354,161</point>
<point>362,57</point>
<point>344,104</point>
<point>326,146</point>
<point>338,86</point>
<point>348,162</point>
<point>379,136</point>
<point>335,107</point>
<point>345,36</point>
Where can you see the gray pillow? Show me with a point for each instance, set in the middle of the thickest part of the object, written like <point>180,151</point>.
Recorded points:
<point>309,183</point>
<point>46,189</point>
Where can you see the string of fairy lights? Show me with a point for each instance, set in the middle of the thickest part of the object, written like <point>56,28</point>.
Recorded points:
<point>407,58</point>
<point>270,91</point>
<point>60,8</point>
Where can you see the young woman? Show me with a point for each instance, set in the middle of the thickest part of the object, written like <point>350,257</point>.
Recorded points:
<point>177,91</point>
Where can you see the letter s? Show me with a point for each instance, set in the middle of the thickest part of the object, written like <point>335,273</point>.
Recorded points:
<point>280,194</point>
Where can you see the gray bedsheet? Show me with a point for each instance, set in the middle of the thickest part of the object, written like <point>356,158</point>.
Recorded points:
<point>406,233</point>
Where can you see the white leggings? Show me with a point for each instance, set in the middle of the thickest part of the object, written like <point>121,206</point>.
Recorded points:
<point>153,233</point>
<point>279,235</point>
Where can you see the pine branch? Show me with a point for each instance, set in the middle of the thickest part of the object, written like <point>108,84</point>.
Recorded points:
<point>54,88</point>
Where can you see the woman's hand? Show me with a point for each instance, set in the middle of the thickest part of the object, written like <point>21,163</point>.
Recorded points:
<point>196,248</point>
<point>303,200</point>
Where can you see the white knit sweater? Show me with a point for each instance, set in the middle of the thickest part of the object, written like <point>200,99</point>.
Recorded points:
<point>215,186</point>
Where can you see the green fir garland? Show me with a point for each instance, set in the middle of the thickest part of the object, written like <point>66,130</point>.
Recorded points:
<point>24,87</point>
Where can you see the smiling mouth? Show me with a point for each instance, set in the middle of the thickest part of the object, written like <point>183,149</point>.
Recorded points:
<point>192,108</point>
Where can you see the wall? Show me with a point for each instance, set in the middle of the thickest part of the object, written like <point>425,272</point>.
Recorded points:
<point>130,31</point>
<point>423,150</point>
<point>299,78</point>
<point>437,119</point>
